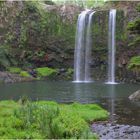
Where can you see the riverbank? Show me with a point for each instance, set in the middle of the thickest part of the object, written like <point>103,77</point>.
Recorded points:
<point>16,75</point>
<point>7,77</point>
<point>48,120</point>
<point>116,131</point>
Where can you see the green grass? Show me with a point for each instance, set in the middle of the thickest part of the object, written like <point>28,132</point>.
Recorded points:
<point>48,120</point>
<point>88,112</point>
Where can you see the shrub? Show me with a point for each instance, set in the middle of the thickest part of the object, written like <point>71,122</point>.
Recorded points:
<point>134,62</point>
<point>70,125</point>
<point>69,73</point>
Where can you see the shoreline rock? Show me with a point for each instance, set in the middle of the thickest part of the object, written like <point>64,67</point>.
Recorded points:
<point>116,131</point>
<point>6,77</point>
<point>135,96</point>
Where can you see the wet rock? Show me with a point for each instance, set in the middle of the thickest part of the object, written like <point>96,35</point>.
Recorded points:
<point>135,96</point>
<point>116,131</point>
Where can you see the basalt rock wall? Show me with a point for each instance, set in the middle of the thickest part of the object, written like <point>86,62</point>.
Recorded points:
<point>45,36</point>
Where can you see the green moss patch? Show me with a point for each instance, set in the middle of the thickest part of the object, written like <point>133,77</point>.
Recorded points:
<point>88,112</point>
<point>45,71</point>
<point>14,70</point>
<point>25,74</point>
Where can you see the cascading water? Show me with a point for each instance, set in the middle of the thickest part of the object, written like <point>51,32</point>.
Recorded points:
<point>88,49</point>
<point>111,46</point>
<point>83,47</point>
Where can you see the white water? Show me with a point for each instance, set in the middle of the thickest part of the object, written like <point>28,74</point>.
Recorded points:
<point>83,47</point>
<point>88,49</point>
<point>111,47</point>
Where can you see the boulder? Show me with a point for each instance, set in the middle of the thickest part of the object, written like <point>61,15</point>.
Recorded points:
<point>135,96</point>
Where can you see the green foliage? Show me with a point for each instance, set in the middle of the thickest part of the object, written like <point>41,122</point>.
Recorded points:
<point>14,70</point>
<point>138,8</point>
<point>45,120</point>
<point>135,42</point>
<point>45,71</point>
<point>6,58</point>
<point>82,3</point>
<point>25,74</point>
<point>23,36</point>
<point>69,73</point>
<point>69,125</point>
<point>134,26</point>
<point>134,62</point>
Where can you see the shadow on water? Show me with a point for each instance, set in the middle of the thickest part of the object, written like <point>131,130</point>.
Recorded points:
<point>114,98</point>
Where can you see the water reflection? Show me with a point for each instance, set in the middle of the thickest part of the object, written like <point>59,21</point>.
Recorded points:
<point>111,92</point>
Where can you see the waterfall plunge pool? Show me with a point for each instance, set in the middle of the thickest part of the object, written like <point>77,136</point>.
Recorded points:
<point>114,98</point>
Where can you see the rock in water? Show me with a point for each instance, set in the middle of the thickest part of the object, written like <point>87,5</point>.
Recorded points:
<point>135,96</point>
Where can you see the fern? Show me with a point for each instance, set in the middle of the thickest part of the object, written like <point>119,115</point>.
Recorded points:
<point>134,62</point>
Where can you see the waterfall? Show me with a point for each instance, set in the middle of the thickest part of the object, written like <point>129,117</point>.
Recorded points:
<point>82,55</point>
<point>88,49</point>
<point>111,46</point>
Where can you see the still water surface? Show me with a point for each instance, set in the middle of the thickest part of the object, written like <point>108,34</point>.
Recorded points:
<point>112,97</point>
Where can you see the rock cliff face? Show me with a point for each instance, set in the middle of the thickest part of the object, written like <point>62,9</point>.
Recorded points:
<point>46,36</point>
<point>126,12</point>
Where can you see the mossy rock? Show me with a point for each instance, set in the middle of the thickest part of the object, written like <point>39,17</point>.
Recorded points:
<point>45,71</point>
<point>25,74</point>
<point>15,70</point>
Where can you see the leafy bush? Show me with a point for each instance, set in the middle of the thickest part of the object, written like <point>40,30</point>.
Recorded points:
<point>69,73</point>
<point>45,71</point>
<point>25,74</point>
<point>134,62</point>
<point>14,70</point>
<point>134,26</point>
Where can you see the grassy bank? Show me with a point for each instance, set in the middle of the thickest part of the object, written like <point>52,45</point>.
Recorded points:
<point>48,120</point>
